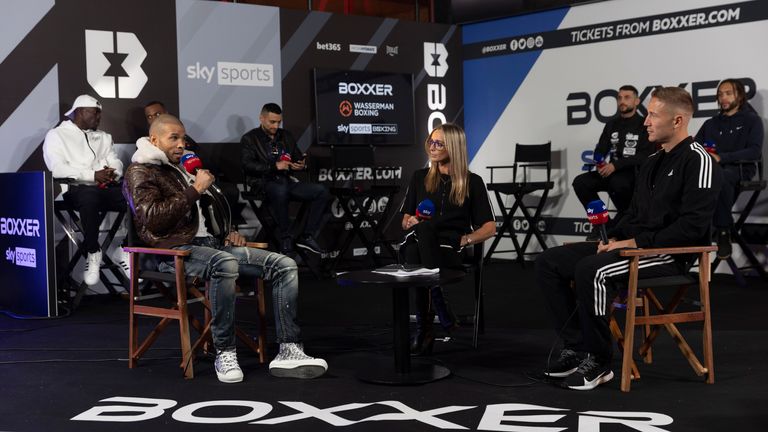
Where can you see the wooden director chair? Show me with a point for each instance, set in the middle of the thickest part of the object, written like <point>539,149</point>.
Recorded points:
<point>188,290</point>
<point>640,293</point>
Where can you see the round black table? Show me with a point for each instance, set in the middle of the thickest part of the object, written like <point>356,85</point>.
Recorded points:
<point>407,371</point>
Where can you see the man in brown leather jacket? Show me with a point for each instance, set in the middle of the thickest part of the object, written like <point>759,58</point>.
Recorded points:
<point>165,203</point>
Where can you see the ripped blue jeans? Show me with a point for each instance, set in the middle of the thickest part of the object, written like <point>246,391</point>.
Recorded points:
<point>221,265</point>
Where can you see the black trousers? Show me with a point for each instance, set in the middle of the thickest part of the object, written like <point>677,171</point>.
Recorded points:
<point>422,246</point>
<point>619,185</point>
<point>723,218</point>
<point>281,191</point>
<point>89,201</point>
<point>594,277</point>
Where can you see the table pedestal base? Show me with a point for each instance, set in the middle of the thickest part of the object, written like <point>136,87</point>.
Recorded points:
<point>380,371</point>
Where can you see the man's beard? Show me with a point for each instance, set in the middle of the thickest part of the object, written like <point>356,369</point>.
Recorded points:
<point>626,109</point>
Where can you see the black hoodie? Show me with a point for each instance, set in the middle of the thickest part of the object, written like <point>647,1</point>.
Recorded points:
<point>737,137</point>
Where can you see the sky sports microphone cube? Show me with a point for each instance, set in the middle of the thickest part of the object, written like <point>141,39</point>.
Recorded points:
<point>597,212</point>
<point>425,209</point>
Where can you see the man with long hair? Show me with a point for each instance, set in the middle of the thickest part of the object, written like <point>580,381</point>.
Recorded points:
<point>446,209</point>
<point>672,205</point>
<point>735,134</point>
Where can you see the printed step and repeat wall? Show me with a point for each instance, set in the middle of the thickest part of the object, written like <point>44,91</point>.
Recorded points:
<point>553,76</point>
<point>215,64</point>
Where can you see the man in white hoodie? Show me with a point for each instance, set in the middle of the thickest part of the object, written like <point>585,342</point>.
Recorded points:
<point>77,151</point>
<point>167,213</point>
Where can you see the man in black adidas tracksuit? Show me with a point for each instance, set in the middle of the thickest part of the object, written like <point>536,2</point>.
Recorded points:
<point>673,202</point>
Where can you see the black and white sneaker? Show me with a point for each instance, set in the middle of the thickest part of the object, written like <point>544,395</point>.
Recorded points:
<point>565,365</point>
<point>590,374</point>
<point>292,362</point>
<point>309,243</point>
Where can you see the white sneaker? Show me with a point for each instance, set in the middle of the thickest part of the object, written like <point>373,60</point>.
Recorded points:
<point>123,260</point>
<point>92,265</point>
<point>291,362</point>
<point>227,368</point>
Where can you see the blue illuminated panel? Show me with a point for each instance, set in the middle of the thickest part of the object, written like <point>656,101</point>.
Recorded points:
<point>27,270</point>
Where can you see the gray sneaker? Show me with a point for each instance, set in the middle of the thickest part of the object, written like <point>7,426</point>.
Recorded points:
<point>227,368</point>
<point>291,362</point>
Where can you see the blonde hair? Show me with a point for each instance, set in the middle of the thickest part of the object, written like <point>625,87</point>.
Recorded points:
<point>456,146</point>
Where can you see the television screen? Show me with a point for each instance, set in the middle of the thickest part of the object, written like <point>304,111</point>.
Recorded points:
<point>364,107</point>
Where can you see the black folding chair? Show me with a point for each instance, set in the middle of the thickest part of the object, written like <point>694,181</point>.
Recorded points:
<point>358,198</point>
<point>528,158</point>
<point>69,220</point>
<point>754,187</point>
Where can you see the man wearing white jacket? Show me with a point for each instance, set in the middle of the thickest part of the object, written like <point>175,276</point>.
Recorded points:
<point>77,151</point>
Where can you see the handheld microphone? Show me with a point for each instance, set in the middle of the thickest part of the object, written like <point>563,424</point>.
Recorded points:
<point>597,214</point>
<point>599,159</point>
<point>710,147</point>
<point>425,209</point>
<point>191,163</point>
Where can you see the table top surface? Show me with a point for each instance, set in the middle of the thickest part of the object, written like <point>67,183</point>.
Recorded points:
<point>369,278</point>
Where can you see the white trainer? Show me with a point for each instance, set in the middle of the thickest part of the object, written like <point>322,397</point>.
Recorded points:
<point>291,362</point>
<point>92,266</point>
<point>227,368</point>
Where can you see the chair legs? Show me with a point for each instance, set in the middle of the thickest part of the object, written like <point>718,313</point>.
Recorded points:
<point>666,317</point>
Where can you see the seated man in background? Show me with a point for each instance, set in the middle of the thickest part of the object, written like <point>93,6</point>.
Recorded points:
<point>269,156</point>
<point>673,202</point>
<point>736,134</point>
<point>164,200</point>
<point>153,110</point>
<point>77,151</point>
<point>625,142</point>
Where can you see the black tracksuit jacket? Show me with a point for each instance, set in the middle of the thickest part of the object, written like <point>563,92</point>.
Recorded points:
<point>674,198</point>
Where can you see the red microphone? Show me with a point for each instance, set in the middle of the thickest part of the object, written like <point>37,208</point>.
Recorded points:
<point>191,163</point>
<point>597,213</point>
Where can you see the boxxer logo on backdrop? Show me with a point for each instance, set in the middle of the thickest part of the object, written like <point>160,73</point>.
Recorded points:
<point>113,63</point>
<point>581,105</point>
<point>436,66</point>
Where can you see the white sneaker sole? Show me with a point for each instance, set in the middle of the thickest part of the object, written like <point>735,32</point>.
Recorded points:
<point>589,385</point>
<point>560,374</point>
<point>301,372</point>
<point>314,251</point>
<point>229,380</point>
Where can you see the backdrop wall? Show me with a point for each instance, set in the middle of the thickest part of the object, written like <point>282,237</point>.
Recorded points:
<point>553,76</point>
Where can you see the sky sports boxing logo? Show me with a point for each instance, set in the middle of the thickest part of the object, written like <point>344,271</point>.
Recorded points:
<point>368,129</point>
<point>23,257</point>
<point>234,74</point>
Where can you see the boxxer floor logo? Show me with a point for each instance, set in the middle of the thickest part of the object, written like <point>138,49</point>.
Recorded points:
<point>113,63</point>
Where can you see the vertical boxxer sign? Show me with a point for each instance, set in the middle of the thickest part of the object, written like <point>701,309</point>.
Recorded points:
<point>436,66</point>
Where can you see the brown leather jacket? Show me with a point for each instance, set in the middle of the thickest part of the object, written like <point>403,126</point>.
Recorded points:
<point>163,204</point>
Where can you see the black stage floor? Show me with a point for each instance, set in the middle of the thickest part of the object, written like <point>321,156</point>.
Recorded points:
<point>65,374</point>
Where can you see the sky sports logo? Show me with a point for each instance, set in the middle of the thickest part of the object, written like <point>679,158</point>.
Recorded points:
<point>367,129</point>
<point>234,74</point>
<point>22,257</point>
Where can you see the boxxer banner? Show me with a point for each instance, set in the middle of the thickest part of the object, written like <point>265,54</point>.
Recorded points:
<point>430,54</point>
<point>121,53</point>
<point>564,89</point>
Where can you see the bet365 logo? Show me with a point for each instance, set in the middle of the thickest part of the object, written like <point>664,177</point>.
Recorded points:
<point>113,63</point>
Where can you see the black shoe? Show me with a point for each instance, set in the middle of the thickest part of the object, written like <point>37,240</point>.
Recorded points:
<point>724,247</point>
<point>286,246</point>
<point>309,243</point>
<point>423,340</point>
<point>590,374</point>
<point>565,365</point>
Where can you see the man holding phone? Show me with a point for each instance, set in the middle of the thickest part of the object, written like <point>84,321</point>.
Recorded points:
<point>270,156</point>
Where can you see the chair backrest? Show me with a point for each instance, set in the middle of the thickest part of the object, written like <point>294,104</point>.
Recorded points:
<point>747,171</point>
<point>344,161</point>
<point>532,156</point>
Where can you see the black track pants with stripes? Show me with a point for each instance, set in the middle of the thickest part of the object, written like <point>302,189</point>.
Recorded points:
<point>593,277</point>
